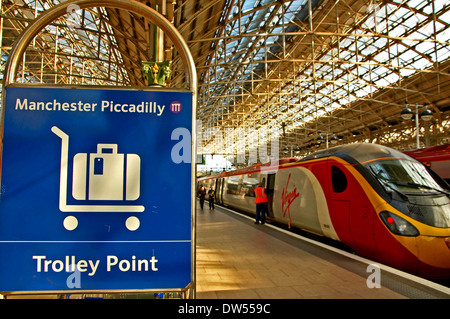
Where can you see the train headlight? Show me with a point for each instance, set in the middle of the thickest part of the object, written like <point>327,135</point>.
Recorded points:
<point>398,225</point>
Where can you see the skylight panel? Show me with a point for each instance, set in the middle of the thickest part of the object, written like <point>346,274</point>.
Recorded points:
<point>421,63</point>
<point>401,13</point>
<point>408,56</point>
<point>411,21</point>
<point>424,32</point>
<point>387,74</point>
<point>445,17</point>
<point>368,50</point>
<point>271,40</point>
<point>334,105</point>
<point>425,47</point>
<point>345,55</point>
<point>311,107</point>
<point>380,43</point>
<point>382,82</point>
<point>438,6</point>
<point>346,42</point>
<point>443,36</point>
<point>382,57</point>
<point>398,48</point>
<point>406,72</point>
<point>248,5</point>
<point>276,19</point>
<point>321,112</point>
<point>396,31</point>
<point>365,90</point>
<point>443,54</point>
<point>288,16</point>
<point>277,30</point>
<point>260,55</point>
<point>255,25</point>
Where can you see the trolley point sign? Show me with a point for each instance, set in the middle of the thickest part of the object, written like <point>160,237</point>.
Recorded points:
<point>94,194</point>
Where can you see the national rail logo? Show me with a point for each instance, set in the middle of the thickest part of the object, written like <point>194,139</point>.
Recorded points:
<point>175,107</point>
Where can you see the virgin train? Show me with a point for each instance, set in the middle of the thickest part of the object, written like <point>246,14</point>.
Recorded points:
<point>435,157</point>
<point>383,204</point>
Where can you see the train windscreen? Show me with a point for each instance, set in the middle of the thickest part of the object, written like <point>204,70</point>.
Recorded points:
<point>405,175</point>
<point>425,200</point>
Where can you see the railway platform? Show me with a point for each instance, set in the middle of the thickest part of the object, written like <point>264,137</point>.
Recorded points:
<point>238,259</point>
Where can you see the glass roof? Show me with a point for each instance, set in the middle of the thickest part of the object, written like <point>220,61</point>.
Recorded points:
<point>321,64</point>
<point>304,65</point>
<point>374,69</point>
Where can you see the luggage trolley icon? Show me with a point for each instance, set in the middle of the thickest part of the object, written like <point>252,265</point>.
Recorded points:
<point>107,177</point>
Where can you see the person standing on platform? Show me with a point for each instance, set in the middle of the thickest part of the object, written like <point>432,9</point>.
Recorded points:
<point>261,203</point>
<point>211,198</point>
<point>201,194</point>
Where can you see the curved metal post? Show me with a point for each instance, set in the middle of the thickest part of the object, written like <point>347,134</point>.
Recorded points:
<point>46,17</point>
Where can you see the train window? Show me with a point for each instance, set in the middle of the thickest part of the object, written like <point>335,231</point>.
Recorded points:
<point>338,179</point>
<point>234,185</point>
<point>249,184</point>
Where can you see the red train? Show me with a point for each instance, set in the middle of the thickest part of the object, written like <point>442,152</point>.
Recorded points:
<point>436,157</point>
<point>379,202</point>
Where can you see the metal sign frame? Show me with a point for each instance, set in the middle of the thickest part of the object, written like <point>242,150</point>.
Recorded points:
<point>153,16</point>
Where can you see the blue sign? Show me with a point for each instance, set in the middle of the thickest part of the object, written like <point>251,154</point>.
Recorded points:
<point>95,189</point>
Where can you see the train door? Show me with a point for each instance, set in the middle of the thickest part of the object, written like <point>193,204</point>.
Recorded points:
<point>350,210</point>
<point>218,190</point>
<point>339,201</point>
<point>269,191</point>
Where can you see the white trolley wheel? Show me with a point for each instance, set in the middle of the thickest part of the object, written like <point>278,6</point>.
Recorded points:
<point>70,223</point>
<point>132,223</point>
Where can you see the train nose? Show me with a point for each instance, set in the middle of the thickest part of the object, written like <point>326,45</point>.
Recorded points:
<point>434,254</point>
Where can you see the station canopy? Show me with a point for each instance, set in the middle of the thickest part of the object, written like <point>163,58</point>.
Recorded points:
<point>300,72</point>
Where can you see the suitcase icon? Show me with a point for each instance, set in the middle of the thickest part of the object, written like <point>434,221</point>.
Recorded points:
<point>108,175</point>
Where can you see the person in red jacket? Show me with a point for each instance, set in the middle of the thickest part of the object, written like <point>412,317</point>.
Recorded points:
<point>261,203</point>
